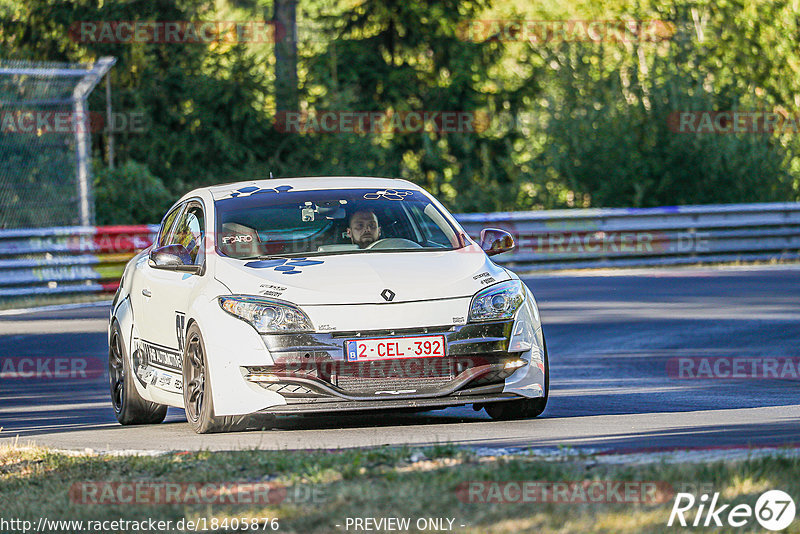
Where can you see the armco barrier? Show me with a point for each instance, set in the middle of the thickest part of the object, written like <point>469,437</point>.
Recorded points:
<point>627,237</point>
<point>49,261</point>
<point>80,259</point>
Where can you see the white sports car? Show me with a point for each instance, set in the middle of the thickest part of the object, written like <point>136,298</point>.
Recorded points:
<point>311,295</point>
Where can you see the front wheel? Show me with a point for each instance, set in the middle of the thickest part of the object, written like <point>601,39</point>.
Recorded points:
<point>129,407</point>
<point>198,401</point>
<point>523,408</point>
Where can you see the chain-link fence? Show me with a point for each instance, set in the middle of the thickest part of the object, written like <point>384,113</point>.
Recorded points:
<point>45,142</point>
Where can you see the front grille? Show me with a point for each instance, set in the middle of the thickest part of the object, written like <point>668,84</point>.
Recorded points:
<point>420,375</point>
<point>392,376</point>
<point>362,385</point>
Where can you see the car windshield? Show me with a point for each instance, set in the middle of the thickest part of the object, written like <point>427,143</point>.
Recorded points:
<point>258,222</point>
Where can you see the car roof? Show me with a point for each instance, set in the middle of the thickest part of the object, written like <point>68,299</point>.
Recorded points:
<point>306,184</point>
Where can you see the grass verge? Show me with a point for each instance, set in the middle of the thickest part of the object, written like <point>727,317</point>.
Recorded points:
<point>316,491</point>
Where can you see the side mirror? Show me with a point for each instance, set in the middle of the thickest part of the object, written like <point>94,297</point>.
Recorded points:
<point>173,257</point>
<point>495,241</point>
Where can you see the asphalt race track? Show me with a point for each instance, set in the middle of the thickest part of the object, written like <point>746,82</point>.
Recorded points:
<point>613,339</point>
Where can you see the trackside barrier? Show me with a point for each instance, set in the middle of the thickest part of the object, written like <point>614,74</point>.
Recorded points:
<point>74,260</point>
<point>640,237</point>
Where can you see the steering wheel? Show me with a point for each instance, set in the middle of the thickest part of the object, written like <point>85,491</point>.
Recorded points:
<point>394,242</point>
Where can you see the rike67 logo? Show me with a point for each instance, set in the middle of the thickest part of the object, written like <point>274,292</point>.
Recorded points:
<point>774,510</point>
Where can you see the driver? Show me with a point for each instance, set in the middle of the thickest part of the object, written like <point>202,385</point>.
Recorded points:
<point>363,228</point>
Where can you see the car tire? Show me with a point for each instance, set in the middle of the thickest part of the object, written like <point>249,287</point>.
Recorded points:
<point>523,408</point>
<point>198,400</point>
<point>129,407</point>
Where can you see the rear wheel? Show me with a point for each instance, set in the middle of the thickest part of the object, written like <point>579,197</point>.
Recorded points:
<point>129,407</point>
<point>198,401</point>
<point>523,408</point>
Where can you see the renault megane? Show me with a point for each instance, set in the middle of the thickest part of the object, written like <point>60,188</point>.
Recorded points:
<point>312,295</point>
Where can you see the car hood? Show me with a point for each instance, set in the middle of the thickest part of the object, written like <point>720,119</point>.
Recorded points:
<point>363,278</point>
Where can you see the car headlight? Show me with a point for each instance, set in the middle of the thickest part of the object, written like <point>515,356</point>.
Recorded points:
<point>500,301</point>
<point>267,316</point>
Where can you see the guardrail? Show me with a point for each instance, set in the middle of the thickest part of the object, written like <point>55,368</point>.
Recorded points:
<point>52,261</point>
<point>636,237</point>
<point>67,260</point>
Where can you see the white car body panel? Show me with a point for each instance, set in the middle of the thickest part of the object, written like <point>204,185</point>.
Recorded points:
<point>360,278</point>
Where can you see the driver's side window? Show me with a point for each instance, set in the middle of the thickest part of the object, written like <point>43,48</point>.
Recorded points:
<point>166,231</point>
<point>189,232</point>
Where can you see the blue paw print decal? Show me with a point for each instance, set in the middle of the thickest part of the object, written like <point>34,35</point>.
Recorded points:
<point>285,266</point>
<point>252,190</point>
<point>388,194</point>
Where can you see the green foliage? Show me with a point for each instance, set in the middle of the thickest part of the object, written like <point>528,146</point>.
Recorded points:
<point>129,194</point>
<point>621,155</point>
<point>570,123</point>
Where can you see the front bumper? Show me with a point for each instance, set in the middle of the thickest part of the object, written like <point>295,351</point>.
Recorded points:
<point>311,374</point>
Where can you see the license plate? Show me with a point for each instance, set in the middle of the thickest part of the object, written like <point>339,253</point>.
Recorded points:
<point>360,350</point>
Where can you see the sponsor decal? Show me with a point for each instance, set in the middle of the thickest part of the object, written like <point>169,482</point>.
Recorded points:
<point>283,266</point>
<point>484,278</point>
<point>237,239</point>
<point>180,329</point>
<point>271,290</point>
<point>160,356</point>
<point>159,378</point>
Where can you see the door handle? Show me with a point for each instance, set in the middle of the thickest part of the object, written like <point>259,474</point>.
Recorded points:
<point>146,292</point>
